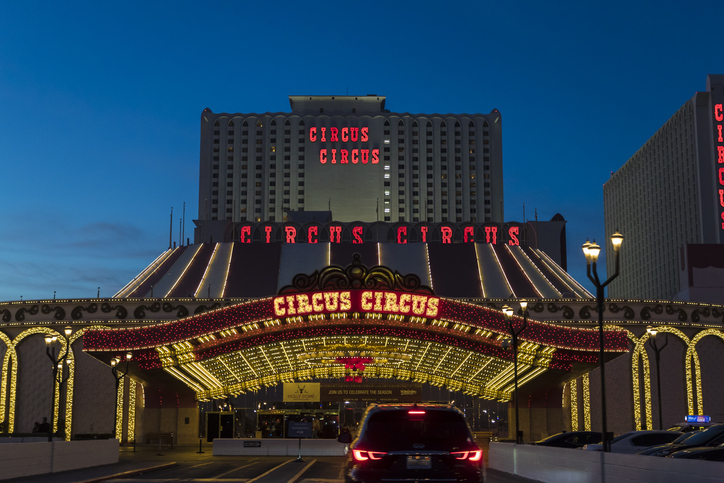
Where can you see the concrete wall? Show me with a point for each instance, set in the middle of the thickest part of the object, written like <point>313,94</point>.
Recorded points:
<point>28,459</point>
<point>188,433</point>
<point>94,398</point>
<point>561,465</point>
<point>278,447</point>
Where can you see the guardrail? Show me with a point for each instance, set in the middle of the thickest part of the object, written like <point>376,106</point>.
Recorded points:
<point>562,465</point>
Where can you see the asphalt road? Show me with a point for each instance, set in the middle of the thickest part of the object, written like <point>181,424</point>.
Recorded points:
<point>184,464</point>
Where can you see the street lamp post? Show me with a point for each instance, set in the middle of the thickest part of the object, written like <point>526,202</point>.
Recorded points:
<point>591,251</point>
<point>58,359</point>
<point>508,313</point>
<point>657,351</point>
<point>115,362</point>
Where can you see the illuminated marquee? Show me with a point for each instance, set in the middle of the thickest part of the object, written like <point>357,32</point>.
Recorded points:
<point>489,234</point>
<point>718,119</point>
<point>344,155</point>
<point>383,301</point>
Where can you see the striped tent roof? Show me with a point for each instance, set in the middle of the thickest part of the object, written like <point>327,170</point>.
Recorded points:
<point>459,270</point>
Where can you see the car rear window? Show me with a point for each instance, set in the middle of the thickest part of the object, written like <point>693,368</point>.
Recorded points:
<point>398,428</point>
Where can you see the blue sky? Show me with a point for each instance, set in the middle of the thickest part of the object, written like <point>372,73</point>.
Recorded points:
<point>100,105</point>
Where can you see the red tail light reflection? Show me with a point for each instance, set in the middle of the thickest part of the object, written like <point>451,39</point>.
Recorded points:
<point>468,455</point>
<point>361,455</point>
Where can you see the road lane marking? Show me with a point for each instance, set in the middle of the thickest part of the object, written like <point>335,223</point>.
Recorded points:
<point>294,478</point>
<point>273,469</point>
<point>235,469</point>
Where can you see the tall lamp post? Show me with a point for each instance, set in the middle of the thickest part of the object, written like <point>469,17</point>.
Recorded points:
<point>591,251</point>
<point>54,351</point>
<point>657,351</point>
<point>508,312</point>
<point>115,362</point>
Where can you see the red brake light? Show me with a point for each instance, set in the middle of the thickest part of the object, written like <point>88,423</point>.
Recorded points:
<point>475,455</point>
<point>361,455</point>
<point>468,455</point>
<point>416,412</point>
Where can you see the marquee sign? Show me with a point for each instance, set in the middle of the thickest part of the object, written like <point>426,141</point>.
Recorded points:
<point>356,301</point>
<point>354,233</point>
<point>344,155</point>
<point>719,144</point>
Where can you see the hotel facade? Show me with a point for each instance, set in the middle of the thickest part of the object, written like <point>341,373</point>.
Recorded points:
<point>350,156</point>
<point>669,198</point>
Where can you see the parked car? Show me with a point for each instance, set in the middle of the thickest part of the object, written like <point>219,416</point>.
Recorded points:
<point>685,427</point>
<point>713,436</point>
<point>414,442</point>
<point>571,439</point>
<point>677,441</point>
<point>700,453</point>
<point>634,441</point>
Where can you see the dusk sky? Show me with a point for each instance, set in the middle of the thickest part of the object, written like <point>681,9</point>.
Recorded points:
<point>100,106</point>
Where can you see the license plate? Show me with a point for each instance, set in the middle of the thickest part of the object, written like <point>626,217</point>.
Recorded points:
<point>419,463</point>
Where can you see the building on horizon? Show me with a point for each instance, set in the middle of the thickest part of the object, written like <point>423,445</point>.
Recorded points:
<point>669,196</point>
<point>350,156</point>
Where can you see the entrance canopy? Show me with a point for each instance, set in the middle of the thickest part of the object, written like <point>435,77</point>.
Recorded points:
<point>355,323</point>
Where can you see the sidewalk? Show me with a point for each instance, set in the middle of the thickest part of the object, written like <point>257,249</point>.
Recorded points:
<point>146,458</point>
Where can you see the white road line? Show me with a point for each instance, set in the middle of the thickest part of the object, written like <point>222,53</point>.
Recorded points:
<point>273,469</point>
<point>294,478</point>
<point>235,469</point>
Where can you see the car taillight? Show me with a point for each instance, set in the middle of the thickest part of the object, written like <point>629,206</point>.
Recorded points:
<point>468,455</point>
<point>361,455</point>
<point>416,413</point>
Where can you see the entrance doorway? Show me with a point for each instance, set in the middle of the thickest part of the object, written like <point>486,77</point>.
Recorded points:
<point>219,425</point>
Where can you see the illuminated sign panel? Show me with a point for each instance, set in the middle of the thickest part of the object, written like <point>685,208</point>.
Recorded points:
<point>719,145</point>
<point>336,154</point>
<point>354,233</point>
<point>364,301</point>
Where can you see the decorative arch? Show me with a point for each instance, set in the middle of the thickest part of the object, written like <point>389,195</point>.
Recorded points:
<point>691,354</point>
<point>10,355</point>
<point>14,376</point>
<point>639,351</point>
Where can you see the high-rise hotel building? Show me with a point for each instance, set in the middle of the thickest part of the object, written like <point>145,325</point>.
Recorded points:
<point>350,156</point>
<point>668,197</point>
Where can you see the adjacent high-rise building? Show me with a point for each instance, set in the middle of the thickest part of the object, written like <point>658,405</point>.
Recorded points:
<point>350,156</point>
<point>670,194</point>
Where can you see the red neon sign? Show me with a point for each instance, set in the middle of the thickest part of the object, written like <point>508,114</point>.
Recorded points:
<point>343,155</point>
<point>245,231</point>
<point>357,233</point>
<point>401,230</point>
<point>513,233</point>
<point>718,118</point>
<point>357,301</point>
<point>403,234</point>
<point>468,234</point>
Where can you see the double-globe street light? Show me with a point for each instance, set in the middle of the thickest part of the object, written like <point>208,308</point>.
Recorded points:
<point>657,351</point>
<point>59,359</point>
<point>508,312</point>
<point>115,362</point>
<point>591,251</point>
